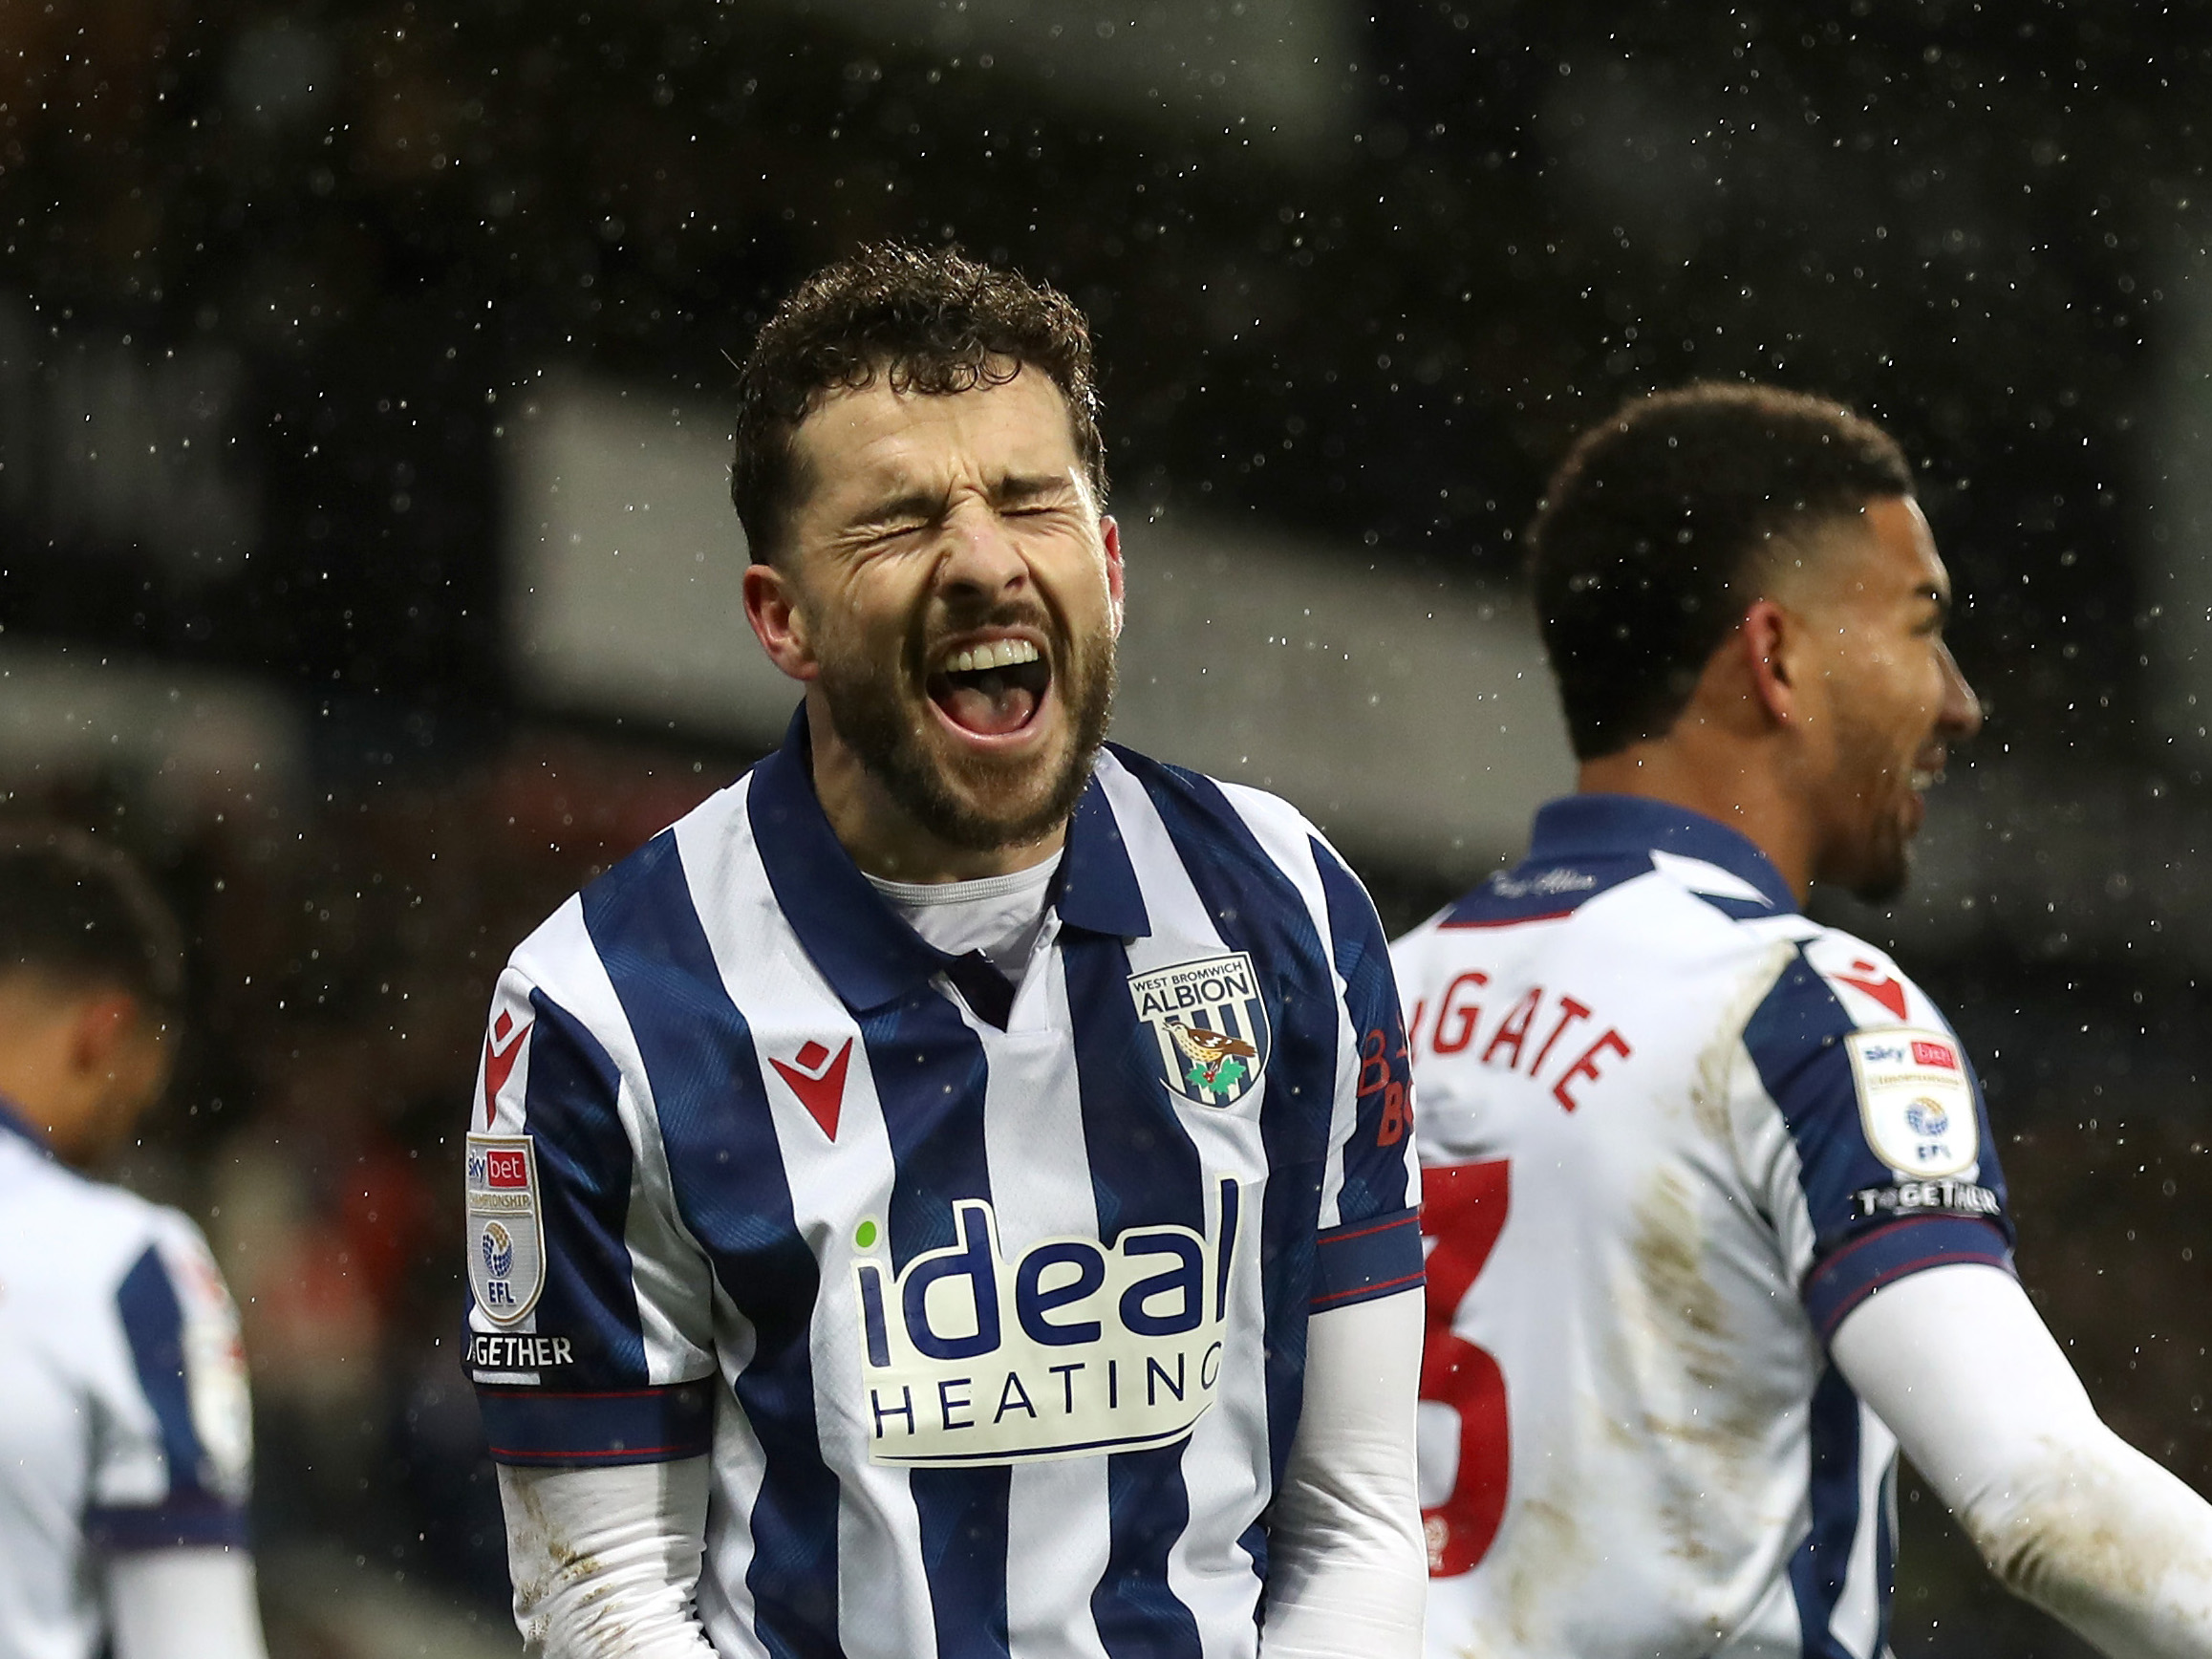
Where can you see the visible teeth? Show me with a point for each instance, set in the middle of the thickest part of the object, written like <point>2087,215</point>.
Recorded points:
<point>999,654</point>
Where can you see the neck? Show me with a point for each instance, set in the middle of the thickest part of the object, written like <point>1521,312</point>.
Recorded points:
<point>1743,790</point>
<point>884,838</point>
<point>35,1075</point>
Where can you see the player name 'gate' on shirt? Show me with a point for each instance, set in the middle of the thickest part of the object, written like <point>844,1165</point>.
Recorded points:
<point>1673,1133</point>
<point>989,1303</point>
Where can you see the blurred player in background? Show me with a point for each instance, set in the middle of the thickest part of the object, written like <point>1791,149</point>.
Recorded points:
<point>960,1178</point>
<point>1717,1215</point>
<point>124,1431</point>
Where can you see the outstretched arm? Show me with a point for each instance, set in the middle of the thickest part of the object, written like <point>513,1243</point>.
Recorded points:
<point>605,1560</point>
<point>2068,1515</point>
<point>1347,1574</point>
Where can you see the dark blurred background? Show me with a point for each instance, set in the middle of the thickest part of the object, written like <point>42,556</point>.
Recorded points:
<point>361,377</point>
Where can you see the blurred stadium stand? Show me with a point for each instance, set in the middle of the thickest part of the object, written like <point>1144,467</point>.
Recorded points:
<point>361,364</point>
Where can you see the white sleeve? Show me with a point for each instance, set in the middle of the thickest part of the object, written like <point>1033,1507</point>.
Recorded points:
<point>1347,1574</point>
<point>2068,1515</point>
<point>184,1604</point>
<point>604,1561</point>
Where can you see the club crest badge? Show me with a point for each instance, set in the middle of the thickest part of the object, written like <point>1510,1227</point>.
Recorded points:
<point>507,1240</point>
<point>1209,1022</point>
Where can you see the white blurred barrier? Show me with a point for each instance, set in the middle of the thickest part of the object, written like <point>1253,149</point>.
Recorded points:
<point>187,741</point>
<point>1414,721</point>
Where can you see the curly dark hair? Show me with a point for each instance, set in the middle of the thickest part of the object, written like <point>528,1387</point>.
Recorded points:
<point>1654,532</point>
<point>934,321</point>
<point>78,913</point>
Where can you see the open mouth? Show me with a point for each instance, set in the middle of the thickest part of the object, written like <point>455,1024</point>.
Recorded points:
<point>992,689</point>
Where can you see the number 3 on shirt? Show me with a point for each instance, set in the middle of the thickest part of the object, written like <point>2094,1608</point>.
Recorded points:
<point>1463,1207</point>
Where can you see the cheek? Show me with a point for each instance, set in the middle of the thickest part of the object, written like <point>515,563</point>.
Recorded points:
<point>1084,592</point>
<point>867,612</point>
<point>1918,693</point>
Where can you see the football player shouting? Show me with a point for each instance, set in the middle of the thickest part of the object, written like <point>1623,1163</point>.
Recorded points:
<point>953,1192</point>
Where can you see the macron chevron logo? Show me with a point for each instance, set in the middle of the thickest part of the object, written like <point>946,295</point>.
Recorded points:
<point>503,1046</point>
<point>1885,990</point>
<point>818,1079</point>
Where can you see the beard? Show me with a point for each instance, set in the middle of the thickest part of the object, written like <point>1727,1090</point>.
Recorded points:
<point>971,802</point>
<point>1885,870</point>
<point>1872,862</point>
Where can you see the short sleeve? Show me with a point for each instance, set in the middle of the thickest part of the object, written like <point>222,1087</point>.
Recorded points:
<point>1372,1246</point>
<point>1894,1163</point>
<point>173,1432</point>
<point>576,1358</point>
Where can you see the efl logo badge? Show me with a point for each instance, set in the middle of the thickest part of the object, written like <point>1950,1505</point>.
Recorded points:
<point>507,1243</point>
<point>1211,1025</point>
<point>1915,1102</point>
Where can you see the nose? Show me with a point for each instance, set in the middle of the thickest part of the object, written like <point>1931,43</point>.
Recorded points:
<point>1961,715</point>
<point>981,562</point>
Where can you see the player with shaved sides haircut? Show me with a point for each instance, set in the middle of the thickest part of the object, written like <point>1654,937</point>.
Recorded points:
<point>951,1194</point>
<point>1716,1212</point>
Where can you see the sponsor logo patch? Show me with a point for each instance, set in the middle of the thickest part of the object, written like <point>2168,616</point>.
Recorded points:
<point>1074,1349</point>
<point>507,1240</point>
<point>1211,1023</point>
<point>1914,1103</point>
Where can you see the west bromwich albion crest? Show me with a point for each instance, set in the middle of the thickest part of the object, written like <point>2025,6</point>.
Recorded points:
<point>1210,1022</point>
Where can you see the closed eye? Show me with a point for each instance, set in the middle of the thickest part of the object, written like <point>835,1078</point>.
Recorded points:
<point>1939,610</point>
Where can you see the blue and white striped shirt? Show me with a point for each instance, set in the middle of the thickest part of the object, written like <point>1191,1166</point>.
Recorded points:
<point>989,1306</point>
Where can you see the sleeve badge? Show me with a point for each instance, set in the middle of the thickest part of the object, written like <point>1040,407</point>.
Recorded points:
<point>1915,1102</point>
<point>507,1240</point>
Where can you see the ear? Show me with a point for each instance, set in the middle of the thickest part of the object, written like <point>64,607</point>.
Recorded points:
<point>1110,534</point>
<point>1772,642</point>
<point>779,623</point>
<point>99,1030</point>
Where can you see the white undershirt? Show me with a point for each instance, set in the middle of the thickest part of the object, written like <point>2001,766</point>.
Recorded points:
<point>606,1562</point>
<point>1000,915</point>
<point>1958,1363</point>
<point>184,1604</point>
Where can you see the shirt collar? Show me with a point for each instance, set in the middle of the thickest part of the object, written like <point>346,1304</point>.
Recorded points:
<point>1580,827</point>
<point>869,955</point>
<point>13,1122</point>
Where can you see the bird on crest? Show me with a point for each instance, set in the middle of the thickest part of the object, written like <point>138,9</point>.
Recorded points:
<point>1209,1048</point>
